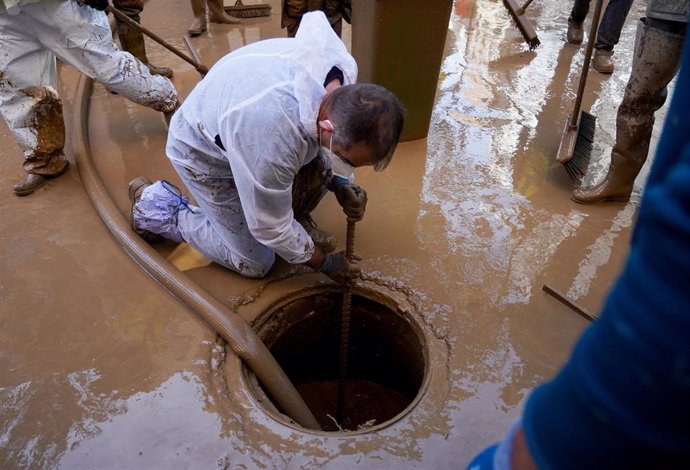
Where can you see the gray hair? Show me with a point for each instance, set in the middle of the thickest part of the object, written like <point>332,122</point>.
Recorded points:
<point>369,113</point>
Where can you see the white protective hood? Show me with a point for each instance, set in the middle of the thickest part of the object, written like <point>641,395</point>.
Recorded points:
<point>319,50</point>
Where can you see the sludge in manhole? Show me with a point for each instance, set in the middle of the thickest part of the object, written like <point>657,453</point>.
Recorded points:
<point>386,358</point>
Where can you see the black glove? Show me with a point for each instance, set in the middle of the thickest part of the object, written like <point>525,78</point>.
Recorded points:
<point>338,268</point>
<point>352,199</point>
<point>99,5</point>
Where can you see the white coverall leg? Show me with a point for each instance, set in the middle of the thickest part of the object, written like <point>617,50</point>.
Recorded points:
<point>80,36</point>
<point>217,228</point>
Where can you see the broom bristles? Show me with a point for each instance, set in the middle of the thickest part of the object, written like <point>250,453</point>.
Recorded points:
<point>239,10</point>
<point>582,153</point>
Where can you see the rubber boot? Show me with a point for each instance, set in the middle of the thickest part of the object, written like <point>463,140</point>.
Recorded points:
<point>132,41</point>
<point>44,159</point>
<point>575,32</point>
<point>32,181</point>
<point>603,61</point>
<point>216,14</point>
<point>656,61</point>
<point>198,26</point>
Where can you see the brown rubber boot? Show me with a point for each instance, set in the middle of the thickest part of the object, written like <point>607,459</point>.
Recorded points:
<point>217,14</point>
<point>136,188</point>
<point>198,26</point>
<point>655,62</point>
<point>617,185</point>
<point>132,41</point>
<point>32,181</point>
<point>46,159</point>
<point>575,32</point>
<point>603,61</point>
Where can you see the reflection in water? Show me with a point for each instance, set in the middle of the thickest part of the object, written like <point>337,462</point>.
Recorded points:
<point>599,253</point>
<point>534,251</point>
<point>140,431</point>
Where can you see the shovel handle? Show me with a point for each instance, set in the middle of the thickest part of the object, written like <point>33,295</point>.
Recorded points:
<point>202,69</point>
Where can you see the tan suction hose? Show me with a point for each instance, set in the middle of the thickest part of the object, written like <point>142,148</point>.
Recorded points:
<point>232,327</point>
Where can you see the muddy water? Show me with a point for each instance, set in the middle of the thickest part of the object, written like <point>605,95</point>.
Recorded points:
<point>100,368</point>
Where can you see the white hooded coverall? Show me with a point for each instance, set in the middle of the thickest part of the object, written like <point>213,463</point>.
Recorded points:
<point>32,34</point>
<point>262,103</point>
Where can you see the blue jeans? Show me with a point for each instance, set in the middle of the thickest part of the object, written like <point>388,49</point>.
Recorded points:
<point>611,24</point>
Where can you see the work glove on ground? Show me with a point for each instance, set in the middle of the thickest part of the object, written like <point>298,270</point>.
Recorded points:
<point>352,199</point>
<point>337,267</point>
<point>99,5</point>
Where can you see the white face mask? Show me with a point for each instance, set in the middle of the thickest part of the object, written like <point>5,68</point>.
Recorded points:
<point>339,167</point>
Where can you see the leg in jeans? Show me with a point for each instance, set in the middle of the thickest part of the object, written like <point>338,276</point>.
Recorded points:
<point>612,23</point>
<point>580,10</point>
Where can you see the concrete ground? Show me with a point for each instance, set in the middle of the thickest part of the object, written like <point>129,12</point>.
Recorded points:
<point>102,368</point>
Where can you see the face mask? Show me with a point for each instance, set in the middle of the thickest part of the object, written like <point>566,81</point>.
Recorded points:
<point>339,167</point>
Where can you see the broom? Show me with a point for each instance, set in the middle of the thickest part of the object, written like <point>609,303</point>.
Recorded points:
<point>575,149</point>
<point>523,24</point>
<point>240,10</point>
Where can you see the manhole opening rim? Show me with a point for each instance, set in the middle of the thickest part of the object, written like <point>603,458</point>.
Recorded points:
<point>264,402</point>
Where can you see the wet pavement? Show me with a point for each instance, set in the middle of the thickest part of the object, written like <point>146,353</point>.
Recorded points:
<point>103,368</point>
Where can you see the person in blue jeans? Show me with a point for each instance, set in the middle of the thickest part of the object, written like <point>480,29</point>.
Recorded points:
<point>622,400</point>
<point>608,34</point>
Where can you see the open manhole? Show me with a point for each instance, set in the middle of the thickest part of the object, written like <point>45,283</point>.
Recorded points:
<point>387,357</point>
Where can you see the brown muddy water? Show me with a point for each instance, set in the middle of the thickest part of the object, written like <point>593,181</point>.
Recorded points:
<point>101,368</point>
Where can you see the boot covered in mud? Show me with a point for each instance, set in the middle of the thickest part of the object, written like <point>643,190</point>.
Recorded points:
<point>656,61</point>
<point>198,26</point>
<point>217,14</point>
<point>575,32</point>
<point>43,152</point>
<point>32,181</point>
<point>617,185</point>
<point>603,61</point>
<point>132,41</point>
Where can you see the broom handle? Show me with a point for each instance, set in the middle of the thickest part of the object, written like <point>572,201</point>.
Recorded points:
<point>585,65</point>
<point>202,69</point>
<point>192,51</point>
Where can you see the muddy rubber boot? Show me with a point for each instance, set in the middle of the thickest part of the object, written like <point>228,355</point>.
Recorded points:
<point>136,188</point>
<point>32,181</point>
<point>617,185</point>
<point>575,32</point>
<point>29,184</point>
<point>132,41</point>
<point>198,26</point>
<point>655,62</point>
<point>217,14</point>
<point>603,61</point>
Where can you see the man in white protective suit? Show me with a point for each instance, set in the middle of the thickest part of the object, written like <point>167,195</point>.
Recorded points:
<point>32,35</point>
<point>257,143</point>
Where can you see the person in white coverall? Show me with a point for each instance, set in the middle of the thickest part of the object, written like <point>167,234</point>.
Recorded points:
<point>257,142</point>
<point>32,35</point>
